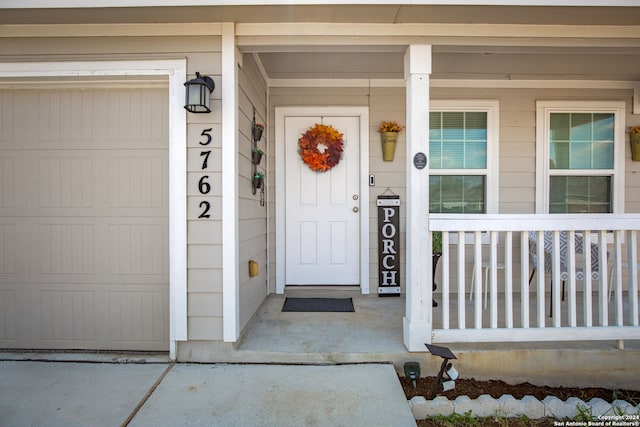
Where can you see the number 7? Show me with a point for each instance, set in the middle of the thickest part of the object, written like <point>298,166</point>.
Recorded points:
<point>206,158</point>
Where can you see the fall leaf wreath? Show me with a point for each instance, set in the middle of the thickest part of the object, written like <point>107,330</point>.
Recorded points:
<point>321,147</point>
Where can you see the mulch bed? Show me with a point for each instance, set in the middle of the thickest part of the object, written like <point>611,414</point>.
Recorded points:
<point>473,389</point>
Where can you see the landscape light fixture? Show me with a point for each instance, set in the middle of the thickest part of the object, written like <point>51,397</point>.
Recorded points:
<point>412,371</point>
<point>448,375</point>
<point>198,94</point>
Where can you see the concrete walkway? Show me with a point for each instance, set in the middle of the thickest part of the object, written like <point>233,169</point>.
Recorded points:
<point>36,393</point>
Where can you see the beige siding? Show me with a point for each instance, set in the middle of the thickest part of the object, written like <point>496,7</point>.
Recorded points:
<point>203,54</point>
<point>384,104</point>
<point>204,235</point>
<point>252,221</point>
<point>517,145</point>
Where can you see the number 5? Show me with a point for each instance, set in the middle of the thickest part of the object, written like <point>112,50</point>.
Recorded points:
<point>206,133</point>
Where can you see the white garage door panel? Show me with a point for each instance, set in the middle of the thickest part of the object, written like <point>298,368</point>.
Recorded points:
<point>42,119</point>
<point>62,316</point>
<point>84,219</point>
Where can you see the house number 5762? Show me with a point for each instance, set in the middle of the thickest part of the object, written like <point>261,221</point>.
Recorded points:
<point>203,186</point>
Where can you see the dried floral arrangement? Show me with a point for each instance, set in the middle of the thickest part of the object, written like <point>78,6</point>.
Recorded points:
<point>390,126</point>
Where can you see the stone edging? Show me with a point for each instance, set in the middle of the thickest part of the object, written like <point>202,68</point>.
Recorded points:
<point>507,406</point>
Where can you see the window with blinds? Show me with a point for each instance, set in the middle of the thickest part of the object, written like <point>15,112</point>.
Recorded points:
<point>458,160</point>
<point>580,156</point>
<point>584,144</point>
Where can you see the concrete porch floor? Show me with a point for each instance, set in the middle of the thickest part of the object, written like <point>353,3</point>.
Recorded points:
<point>374,334</point>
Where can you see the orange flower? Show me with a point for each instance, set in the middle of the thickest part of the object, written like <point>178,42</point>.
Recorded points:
<point>391,126</point>
<point>329,138</point>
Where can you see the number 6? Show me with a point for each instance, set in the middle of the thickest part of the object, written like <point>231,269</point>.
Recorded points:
<point>203,186</point>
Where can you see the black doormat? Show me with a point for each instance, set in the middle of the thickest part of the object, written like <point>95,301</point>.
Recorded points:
<point>318,304</point>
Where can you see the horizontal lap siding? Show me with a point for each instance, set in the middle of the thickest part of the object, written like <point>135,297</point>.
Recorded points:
<point>384,104</point>
<point>516,152</point>
<point>204,235</point>
<point>203,54</point>
<point>252,220</point>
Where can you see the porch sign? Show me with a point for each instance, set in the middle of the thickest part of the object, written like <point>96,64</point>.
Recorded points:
<point>389,245</point>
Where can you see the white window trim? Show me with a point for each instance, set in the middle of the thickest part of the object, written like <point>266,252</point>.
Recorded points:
<point>492,171</point>
<point>543,114</point>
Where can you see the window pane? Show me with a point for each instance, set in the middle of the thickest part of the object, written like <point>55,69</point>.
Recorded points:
<point>456,194</point>
<point>476,126</point>
<point>453,154</point>
<point>458,140</point>
<point>581,127</point>
<point>476,155</point>
<point>581,141</point>
<point>580,194</point>
<point>453,126</point>
<point>604,127</point>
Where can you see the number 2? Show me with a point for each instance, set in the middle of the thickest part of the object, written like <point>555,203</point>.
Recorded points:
<point>205,212</point>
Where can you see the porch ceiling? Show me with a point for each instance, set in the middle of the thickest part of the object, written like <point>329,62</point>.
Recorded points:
<point>367,41</point>
<point>458,62</point>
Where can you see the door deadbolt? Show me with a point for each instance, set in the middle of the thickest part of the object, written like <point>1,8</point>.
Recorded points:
<point>355,197</point>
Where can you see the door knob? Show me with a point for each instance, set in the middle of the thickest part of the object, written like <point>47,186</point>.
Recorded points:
<point>355,209</point>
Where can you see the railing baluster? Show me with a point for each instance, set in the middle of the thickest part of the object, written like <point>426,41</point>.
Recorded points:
<point>632,257</point>
<point>587,299</point>
<point>618,235</point>
<point>540,273</point>
<point>444,266</point>
<point>602,255</point>
<point>477,265</point>
<point>524,279</point>
<point>508,282</point>
<point>571,268</point>
<point>492,286</point>
<point>462,321</point>
<point>555,274</point>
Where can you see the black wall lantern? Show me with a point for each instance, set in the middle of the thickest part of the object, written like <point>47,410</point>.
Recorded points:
<point>198,94</point>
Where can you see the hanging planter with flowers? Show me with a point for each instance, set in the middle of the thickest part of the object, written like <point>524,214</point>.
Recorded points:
<point>321,147</point>
<point>256,155</point>
<point>389,136</point>
<point>256,131</point>
<point>257,180</point>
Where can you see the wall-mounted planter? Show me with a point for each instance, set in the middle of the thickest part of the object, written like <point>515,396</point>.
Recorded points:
<point>256,156</point>
<point>257,132</point>
<point>389,140</point>
<point>257,181</point>
<point>634,139</point>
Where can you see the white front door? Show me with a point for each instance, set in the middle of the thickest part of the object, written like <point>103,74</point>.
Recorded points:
<point>322,209</point>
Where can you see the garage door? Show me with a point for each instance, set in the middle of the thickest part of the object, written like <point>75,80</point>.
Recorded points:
<point>84,258</point>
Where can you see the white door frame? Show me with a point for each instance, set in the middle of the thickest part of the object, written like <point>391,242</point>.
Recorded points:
<point>281,113</point>
<point>176,72</point>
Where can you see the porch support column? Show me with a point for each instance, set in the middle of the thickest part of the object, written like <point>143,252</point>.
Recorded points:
<point>417,321</point>
<point>230,298</point>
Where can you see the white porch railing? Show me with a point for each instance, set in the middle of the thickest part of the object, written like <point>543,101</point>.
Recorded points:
<point>601,251</point>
